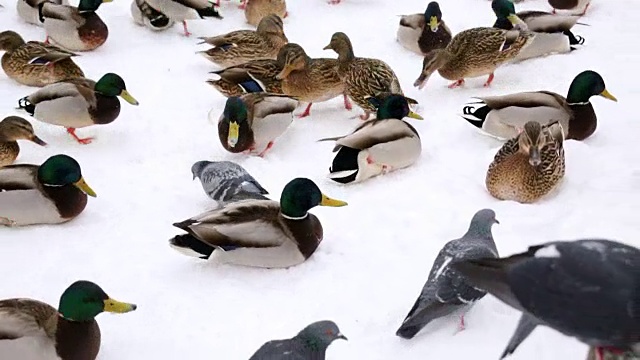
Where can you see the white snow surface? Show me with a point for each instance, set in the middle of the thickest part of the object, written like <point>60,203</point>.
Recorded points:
<point>377,251</point>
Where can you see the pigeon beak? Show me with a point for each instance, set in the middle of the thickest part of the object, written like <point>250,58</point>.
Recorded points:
<point>496,220</point>
<point>340,336</point>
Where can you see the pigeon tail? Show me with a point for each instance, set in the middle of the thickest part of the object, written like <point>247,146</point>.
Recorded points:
<point>420,316</point>
<point>526,325</point>
<point>490,274</point>
<point>187,244</point>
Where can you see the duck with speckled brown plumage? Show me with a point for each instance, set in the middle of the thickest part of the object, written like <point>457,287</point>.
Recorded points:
<point>35,63</point>
<point>530,165</point>
<point>34,330</point>
<point>259,233</point>
<point>74,28</point>
<point>52,193</point>
<point>12,129</point>
<point>78,103</point>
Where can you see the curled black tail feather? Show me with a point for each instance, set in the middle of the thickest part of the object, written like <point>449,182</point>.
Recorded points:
<point>26,105</point>
<point>187,241</point>
<point>209,12</point>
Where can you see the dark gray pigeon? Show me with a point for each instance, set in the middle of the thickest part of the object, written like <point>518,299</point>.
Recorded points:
<point>310,344</point>
<point>226,181</point>
<point>445,290</point>
<point>588,289</point>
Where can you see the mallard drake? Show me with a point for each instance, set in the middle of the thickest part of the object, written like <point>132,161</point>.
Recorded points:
<point>250,77</point>
<point>310,80</point>
<point>255,10</point>
<point>144,15</point>
<point>504,116</point>
<point>528,166</point>
<point>29,10</point>
<point>472,53</point>
<point>252,122</point>
<point>377,146</point>
<point>35,63</point>
<point>74,28</point>
<point>183,10</point>
<point>578,7</point>
<point>363,77</point>
<point>52,193</point>
<point>12,129</point>
<point>422,33</point>
<point>259,233</point>
<point>78,103</point>
<point>552,32</point>
<point>240,46</point>
<point>33,330</point>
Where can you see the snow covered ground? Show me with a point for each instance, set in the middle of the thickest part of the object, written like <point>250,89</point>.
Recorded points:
<point>377,251</point>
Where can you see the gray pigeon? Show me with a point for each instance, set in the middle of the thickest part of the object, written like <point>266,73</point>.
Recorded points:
<point>226,181</point>
<point>310,344</point>
<point>446,290</point>
<point>588,289</point>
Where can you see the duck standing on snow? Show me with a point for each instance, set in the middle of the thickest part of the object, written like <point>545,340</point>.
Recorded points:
<point>259,233</point>
<point>33,330</point>
<point>577,7</point>
<point>75,29</point>
<point>377,146</point>
<point>29,10</point>
<point>52,193</point>
<point>183,10</point>
<point>422,33</point>
<point>504,116</point>
<point>529,166</point>
<point>446,291</point>
<point>596,278</point>
<point>255,10</point>
<point>14,128</point>
<point>310,343</point>
<point>240,46</point>
<point>144,15</point>
<point>78,103</point>
<point>35,63</point>
<point>472,53</point>
<point>364,77</point>
<point>252,122</point>
<point>226,181</point>
<point>552,32</point>
<point>309,80</point>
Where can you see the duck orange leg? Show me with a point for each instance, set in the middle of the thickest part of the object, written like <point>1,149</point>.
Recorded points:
<point>269,146</point>
<point>347,103</point>
<point>456,83</point>
<point>489,80</point>
<point>84,141</point>
<point>306,112</point>
<point>184,26</point>
<point>585,9</point>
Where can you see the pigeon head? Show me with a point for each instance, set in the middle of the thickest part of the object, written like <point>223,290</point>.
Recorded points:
<point>197,168</point>
<point>321,334</point>
<point>482,222</point>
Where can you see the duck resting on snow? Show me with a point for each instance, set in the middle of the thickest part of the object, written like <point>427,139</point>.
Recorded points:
<point>259,233</point>
<point>422,33</point>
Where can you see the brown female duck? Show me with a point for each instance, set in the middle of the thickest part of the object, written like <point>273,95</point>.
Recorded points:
<point>363,77</point>
<point>14,128</point>
<point>310,80</point>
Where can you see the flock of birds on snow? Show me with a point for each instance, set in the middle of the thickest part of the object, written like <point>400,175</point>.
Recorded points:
<point>264,78</point>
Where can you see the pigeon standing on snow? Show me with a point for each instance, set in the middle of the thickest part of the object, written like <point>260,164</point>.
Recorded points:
<point>226,181</point>
<point>588,289</point>
<point>310,344</point>
<point>446,290</point>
